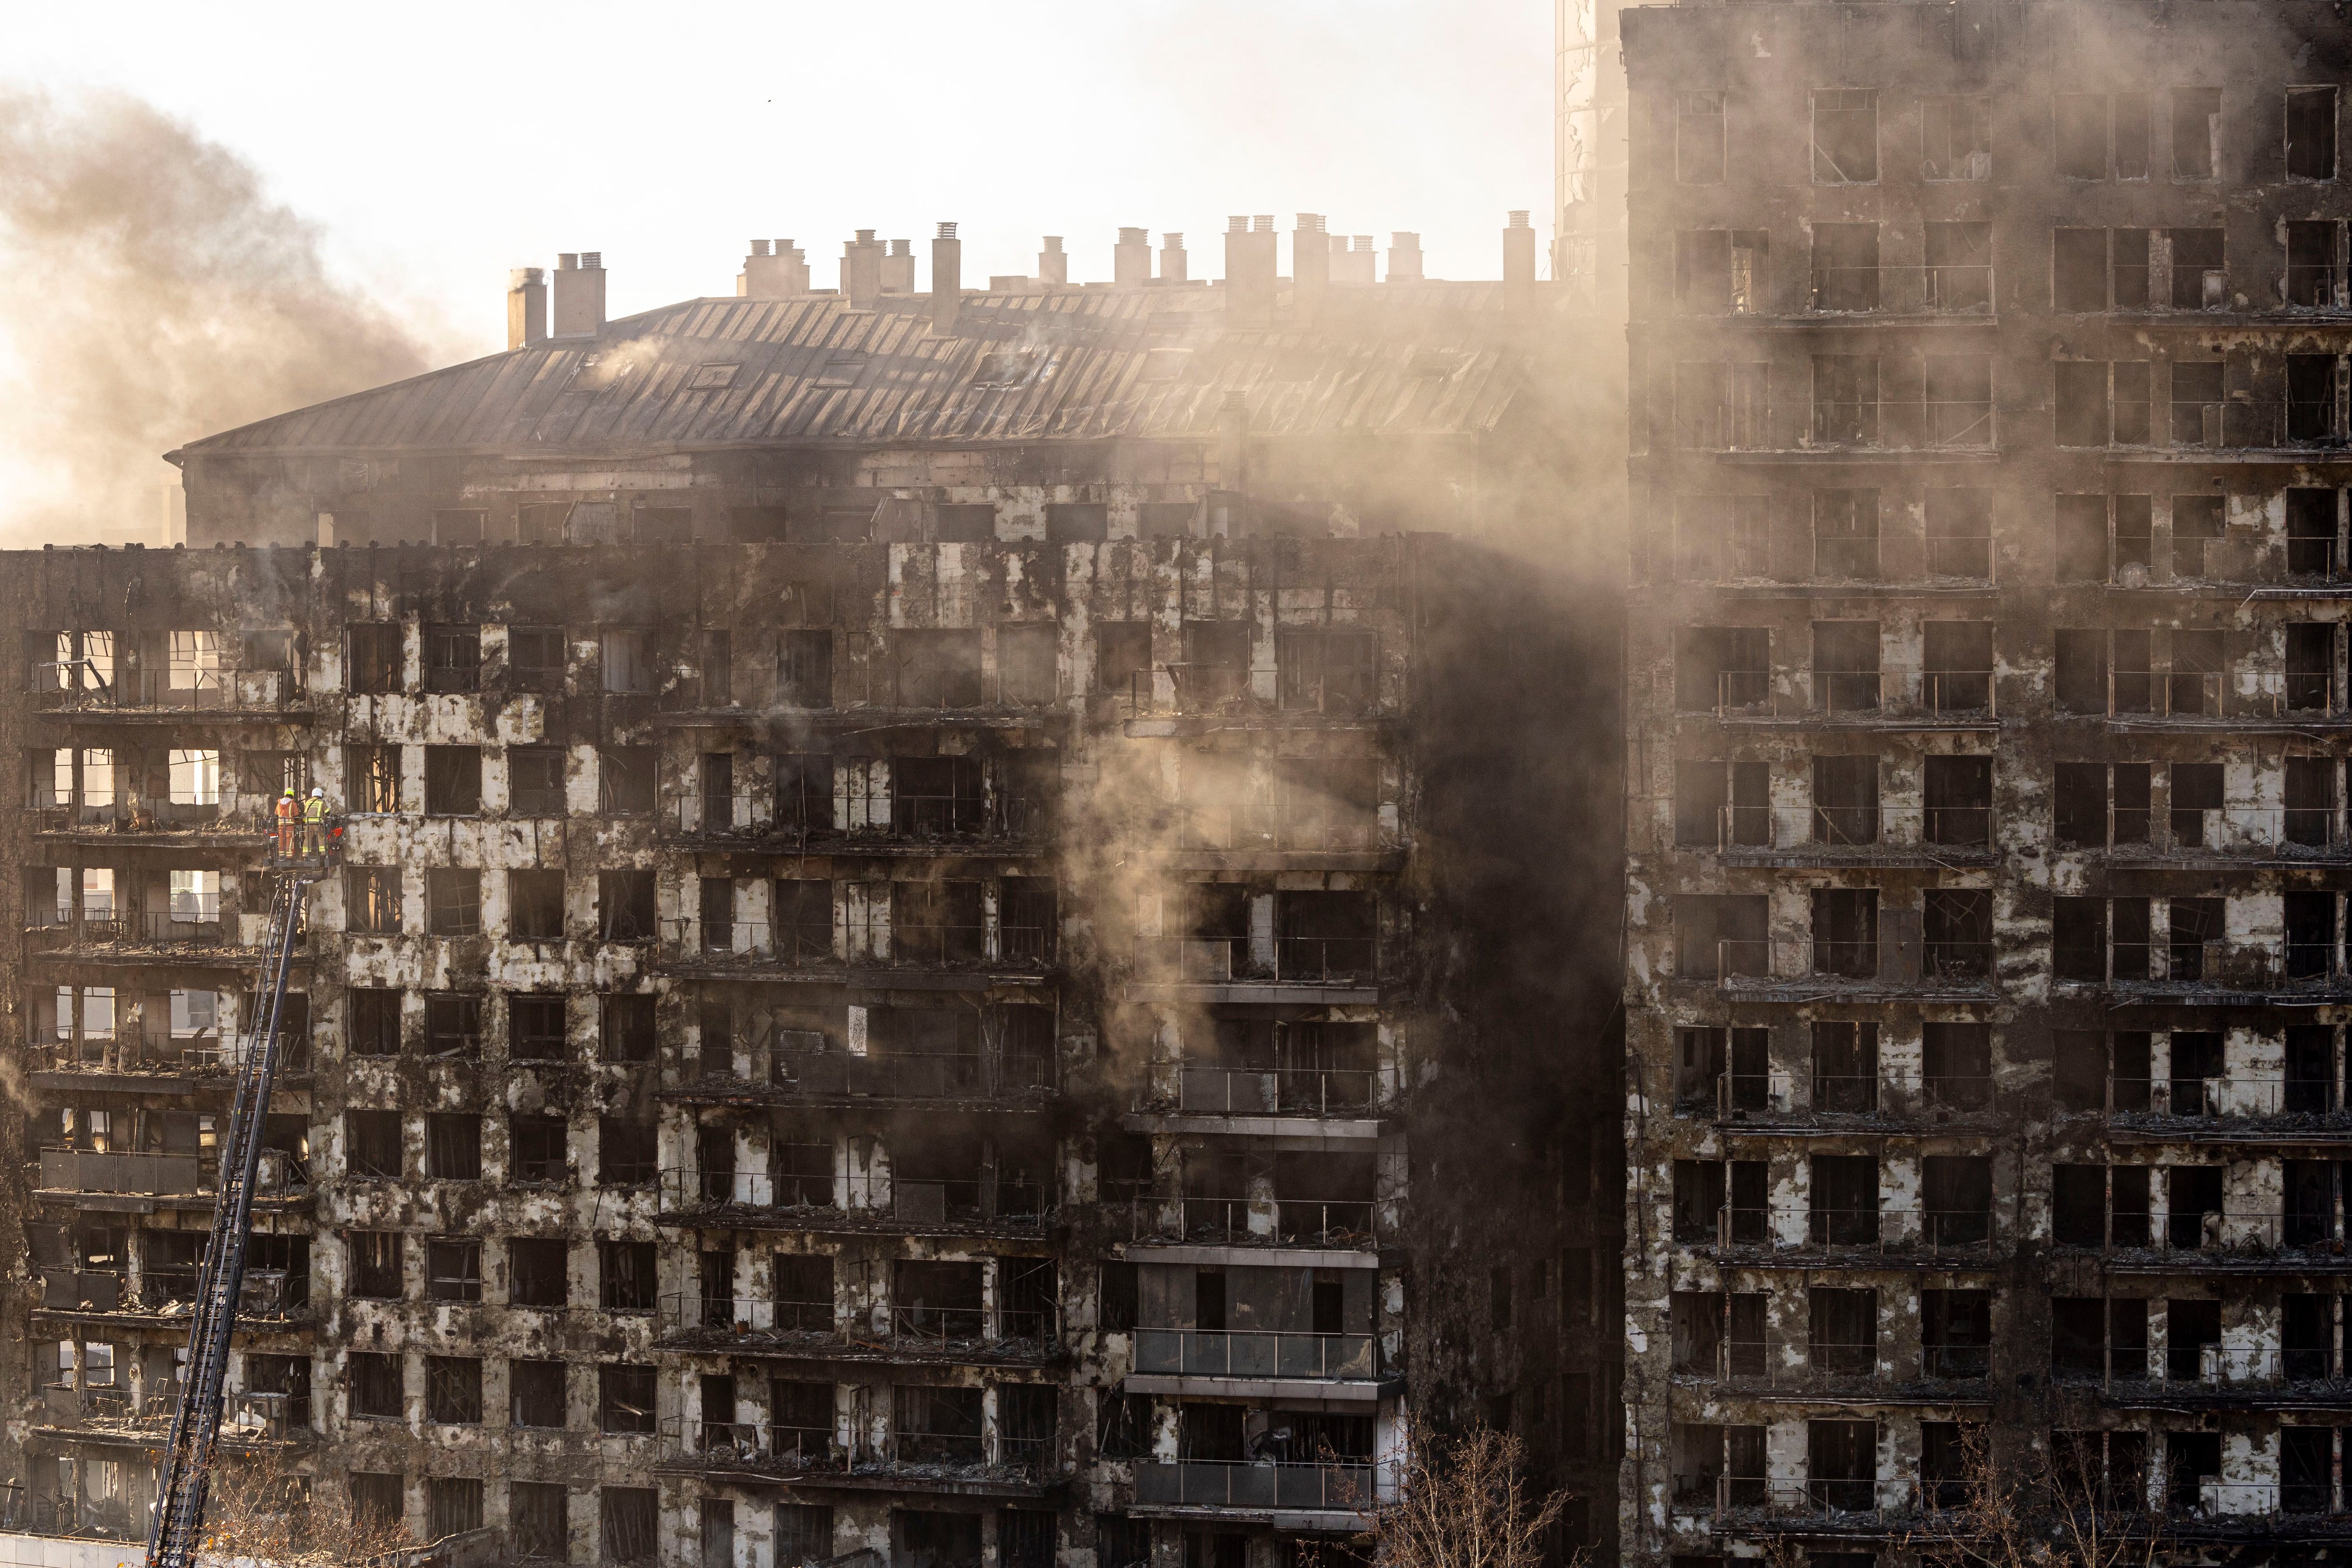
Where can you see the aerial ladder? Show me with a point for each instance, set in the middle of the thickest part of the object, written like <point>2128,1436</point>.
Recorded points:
<point>187,1464</point>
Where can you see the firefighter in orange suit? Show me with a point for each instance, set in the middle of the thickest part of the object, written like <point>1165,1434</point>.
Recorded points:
<point>288,811</point>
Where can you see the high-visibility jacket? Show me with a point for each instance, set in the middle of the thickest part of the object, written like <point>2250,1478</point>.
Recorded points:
<point>314,810</point>
<point>286,808</point>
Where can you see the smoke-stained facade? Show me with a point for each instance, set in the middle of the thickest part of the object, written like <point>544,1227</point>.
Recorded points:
<point>1986,735</point>
<point>957,934</point>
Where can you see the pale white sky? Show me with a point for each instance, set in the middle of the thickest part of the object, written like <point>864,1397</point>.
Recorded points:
<point>440,144</point>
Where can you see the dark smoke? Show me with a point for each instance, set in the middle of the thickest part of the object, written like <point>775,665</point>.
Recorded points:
<point>156,294</point>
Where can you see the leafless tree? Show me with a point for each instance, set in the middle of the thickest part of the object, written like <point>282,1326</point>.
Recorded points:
<point>2009,1508</point>
<point>1465,1503</point>
<point>259,1514</point>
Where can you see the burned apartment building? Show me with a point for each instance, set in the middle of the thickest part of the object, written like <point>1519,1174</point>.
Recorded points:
<point>1986,972</point>
<point>971,924</point>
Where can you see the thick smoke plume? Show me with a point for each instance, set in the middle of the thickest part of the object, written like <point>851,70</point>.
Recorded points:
<point>156,294</point>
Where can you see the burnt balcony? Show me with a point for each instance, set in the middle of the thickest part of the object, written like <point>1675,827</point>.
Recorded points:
<point>961,1075</point>
<point>192,928</point>
<point>1861,1233</point>
<point>1236,959</point>
<point>89,687</point>
<point>132,1053</point>
<point>899,818</point>
<point>1257,1356</point>
<point>1347,1224</point>
<point>67,1174</point>
<point>983,1202</point>
<point>751,1446</point>
<point>1321,1093</point>
<point>698,942</point>
<point>707,1320</point>
<point>1349,1490</point>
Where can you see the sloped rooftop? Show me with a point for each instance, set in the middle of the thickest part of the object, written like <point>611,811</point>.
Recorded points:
<point>1072,363</point>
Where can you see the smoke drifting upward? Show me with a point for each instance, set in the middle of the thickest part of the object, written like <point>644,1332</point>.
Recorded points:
<point>157,294</point>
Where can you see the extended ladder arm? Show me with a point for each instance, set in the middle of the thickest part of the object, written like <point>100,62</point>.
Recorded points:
<point>186,1469</point>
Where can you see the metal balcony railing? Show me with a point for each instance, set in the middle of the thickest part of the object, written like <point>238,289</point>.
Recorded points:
<point>1262,1222</point>
<point>1861,828</point>
<point>63,1170</point>
<point>1279,825</point>
<point>1901,289</point>
<point>1958,695</point>
<point>1205,1353</point>
<point>82,684</point>
<point>1278,1091</point>
<point>2218,1098</point>
<point>750,942</point>
<point>752,1444</point>
<point>1340,1487</point>
<point>684,1310</point>
<point>1298,960</point>
<point>1765,963</point>
<point>2210,1232</point>
<point>912,1200</point>
<point>2216,964</point>
<point>1901,424</point>
<point>133,1051</point>
<point>1891,1090</point>
<point>895,813</point>
<point>1798,1228</point>
<point>896,1076</point>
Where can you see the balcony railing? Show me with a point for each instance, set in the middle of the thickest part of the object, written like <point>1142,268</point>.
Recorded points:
<point>907,1326</point>
<point>2194,1367</point>
<point>753,1444</point>
<point>1854,829</point>
<point>1740,963</point>
<point>1265,826</point>
<point>1298,960</point>
<point>1347,1224</point>
<point>1901,289</point>
<point>747,941</point>
<point>1889,1091</point>
<point>1205,1353</point>
<point>129,1051</point>
<point>2215,1233</point>
<point>279,1175</point>
<point>913,1200</point>
<point>1343,1487</point>
<point>2218,1098</point>
<point>79,684</point>
<point>201,924</point>
<point>2194,965</point>
<point>1951,695</point>
<point>2218,830</point>
<point>1278,1091</point>
<point>894,1076</point>
<point>904,815</point>
<point>1797,1228</point>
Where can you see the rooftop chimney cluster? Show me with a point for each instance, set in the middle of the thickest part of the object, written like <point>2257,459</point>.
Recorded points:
<point>778,269</point>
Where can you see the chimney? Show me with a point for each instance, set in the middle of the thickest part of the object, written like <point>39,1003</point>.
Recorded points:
<point>1518,260</point>
<point>1233,434</point>
<point>579,301</point>
<point>1249,270</point>
<point>776,270</point>
<point>899,268</point>
<point>1053,262</point>
<point>861,270</point>
<point>1172,258</point>
<point>526,307</point>
<point>1352,264</point>
<point>1404,257</point>
<point>947,279</point>
<point>1130,258</point>
<point>1310,266</point>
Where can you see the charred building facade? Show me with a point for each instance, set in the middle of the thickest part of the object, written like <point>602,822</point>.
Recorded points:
<point>955,938</point>
<point>1986,974</point>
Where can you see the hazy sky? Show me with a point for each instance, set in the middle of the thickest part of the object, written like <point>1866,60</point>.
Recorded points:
<point>439,145</point>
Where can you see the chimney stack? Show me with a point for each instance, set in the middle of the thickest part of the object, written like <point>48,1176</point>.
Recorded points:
<point>1310,267</point>
<point>861,270</point>
<point>579,296</point>
<point>1353,264</point>
<point>1518,260</point>
<point>526,307</point>
<point>899,268</point>
<point>1130,258</point>
<point>1249,270</point>
<point>1172,258</point>
<point>1404,257</point>
<point>775,269</point>
<point>1053,262</point>
<point>947,279</point>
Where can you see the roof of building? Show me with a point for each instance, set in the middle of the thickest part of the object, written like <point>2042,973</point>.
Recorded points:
<point>1069,364</point>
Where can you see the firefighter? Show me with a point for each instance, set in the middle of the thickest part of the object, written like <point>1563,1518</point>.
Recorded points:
<point>288,811</point>
<point>314,822</point>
